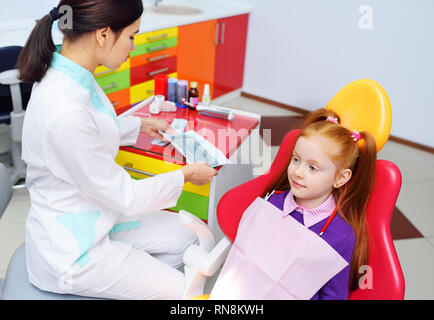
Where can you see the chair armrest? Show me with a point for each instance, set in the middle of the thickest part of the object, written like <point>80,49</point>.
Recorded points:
<point>215,259</point>
<point>9,77</point>
<point>200,228</point>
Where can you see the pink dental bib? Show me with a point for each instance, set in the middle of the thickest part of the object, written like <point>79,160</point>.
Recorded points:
<point>275,257</point>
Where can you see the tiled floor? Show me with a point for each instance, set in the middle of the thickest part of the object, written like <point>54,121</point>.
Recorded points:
<point>416,201</point>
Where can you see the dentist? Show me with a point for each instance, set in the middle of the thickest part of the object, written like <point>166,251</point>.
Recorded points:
<point>92,230</point>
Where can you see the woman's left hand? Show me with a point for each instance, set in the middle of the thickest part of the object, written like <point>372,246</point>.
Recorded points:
<point>150,126</point>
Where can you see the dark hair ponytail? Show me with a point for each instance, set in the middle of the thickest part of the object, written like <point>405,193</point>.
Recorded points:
<point>88,16</point>
<point>36,55</point>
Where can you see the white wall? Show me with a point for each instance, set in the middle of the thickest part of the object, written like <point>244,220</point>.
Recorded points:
<point>16,10</point>
<point>302,52</point>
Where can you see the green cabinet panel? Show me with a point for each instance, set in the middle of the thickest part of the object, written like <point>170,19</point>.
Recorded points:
<point>154,46</point>
<point>114,82</point>
<point>194,203</point>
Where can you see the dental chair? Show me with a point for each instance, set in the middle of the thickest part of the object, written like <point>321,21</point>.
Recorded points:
<point>14,96</point>
<point>362,105</point>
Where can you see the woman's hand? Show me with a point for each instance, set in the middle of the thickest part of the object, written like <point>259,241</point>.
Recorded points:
<point>198,173</point>
<point>150,126</point>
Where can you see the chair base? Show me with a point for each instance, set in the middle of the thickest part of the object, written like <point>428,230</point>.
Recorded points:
<point>18,169</point>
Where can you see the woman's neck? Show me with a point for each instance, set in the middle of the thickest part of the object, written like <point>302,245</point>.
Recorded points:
<point>80,53</point>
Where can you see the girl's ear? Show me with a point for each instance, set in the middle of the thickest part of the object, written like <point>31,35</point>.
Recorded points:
<point>342,177</point>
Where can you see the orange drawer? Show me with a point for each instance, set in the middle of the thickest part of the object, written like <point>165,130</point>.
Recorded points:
<point>120,98</point>
<point>153,56</point>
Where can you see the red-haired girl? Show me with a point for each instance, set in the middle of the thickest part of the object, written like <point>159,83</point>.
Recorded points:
<point>326,188</point>
<point>331,169</point>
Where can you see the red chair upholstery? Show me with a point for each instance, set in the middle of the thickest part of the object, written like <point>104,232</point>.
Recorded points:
<point>387,276</point>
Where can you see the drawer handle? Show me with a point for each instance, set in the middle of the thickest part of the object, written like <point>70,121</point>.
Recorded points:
<point>164,35</point>
<point>150,91</point>
<point>115,104</point>
<point>163,56</point>
<point>152,49</point>
<point>216,40</point>
<point>139,171</point>
<point>103,72</point>
<point>222,39</point>
<point>153,73</point>
<point>113,85</point>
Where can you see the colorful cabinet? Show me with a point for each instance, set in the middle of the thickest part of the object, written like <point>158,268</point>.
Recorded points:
<point>210,52</point>
<point>230,54</point>
<point>144,159</point>
<point>155,53</point>
<point>196,53</point>
<point>214,52</point>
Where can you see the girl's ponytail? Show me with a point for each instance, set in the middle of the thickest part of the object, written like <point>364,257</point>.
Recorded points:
<point>353,199</point>
<point>35,57</point>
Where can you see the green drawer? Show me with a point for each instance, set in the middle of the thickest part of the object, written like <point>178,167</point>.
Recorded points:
<point>191,202</point>
<point>114,82</point>
<point>154,46</point>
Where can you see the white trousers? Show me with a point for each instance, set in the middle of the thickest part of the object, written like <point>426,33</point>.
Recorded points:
<point>150,270</point>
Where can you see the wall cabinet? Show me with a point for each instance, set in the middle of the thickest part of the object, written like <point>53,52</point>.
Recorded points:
<point>154,53</point>
<point>196,53</point>
<point>230,54</point>
<point>214,52</point>
<point>210,52</point>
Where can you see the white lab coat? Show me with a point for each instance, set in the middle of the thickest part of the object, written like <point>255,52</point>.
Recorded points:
<point>78,193</point>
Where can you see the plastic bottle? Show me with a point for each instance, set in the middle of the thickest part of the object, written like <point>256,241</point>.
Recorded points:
<point>171,89</point>
<point>161,85</point>
<point>181,93</point>
<point>206,97</point>
<point>154,108</point>
<point>193,95</point>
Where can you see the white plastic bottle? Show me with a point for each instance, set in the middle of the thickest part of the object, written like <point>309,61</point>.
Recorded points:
<point>205,96</point>
<point>154,108</point>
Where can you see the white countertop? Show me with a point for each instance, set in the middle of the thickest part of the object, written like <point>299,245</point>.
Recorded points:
<point>16,32</point>
<point>211,9</point>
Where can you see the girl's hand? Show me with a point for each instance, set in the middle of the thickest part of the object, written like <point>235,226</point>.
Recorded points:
<point>150,126</point>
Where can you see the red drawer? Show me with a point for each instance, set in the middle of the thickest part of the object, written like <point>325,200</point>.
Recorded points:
<point>150,70</point>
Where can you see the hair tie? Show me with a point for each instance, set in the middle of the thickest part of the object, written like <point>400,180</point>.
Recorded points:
<point>54,13</point>
<point>356,135</point>
<point>332,119</point>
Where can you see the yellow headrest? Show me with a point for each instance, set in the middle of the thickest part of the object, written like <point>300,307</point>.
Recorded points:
<point>363,105</point>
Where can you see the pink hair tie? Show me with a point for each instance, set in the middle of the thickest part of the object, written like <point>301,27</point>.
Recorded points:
<point>356,135</point>
<point>332,119</point>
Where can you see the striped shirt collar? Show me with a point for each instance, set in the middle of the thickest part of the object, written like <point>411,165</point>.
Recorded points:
<point>310,216</point>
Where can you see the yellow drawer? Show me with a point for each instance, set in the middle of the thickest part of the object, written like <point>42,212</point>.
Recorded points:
<point>103,71</point>
<point>142,165</point>
<point>144,90</point>
<point>155,35</point>
<point>141,91</point>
